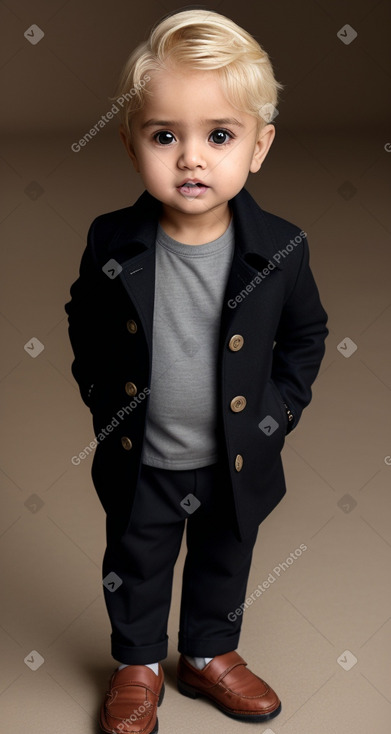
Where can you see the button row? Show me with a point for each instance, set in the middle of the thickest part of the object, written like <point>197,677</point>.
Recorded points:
<point>130,387</point>
<point>237,404</point>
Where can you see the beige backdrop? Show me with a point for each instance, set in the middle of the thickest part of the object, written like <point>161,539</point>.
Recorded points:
<point>321,632</point>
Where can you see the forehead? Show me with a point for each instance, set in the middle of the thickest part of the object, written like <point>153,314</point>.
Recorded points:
<point>185,92</point>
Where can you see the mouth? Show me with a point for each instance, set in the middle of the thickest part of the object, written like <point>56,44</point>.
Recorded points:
<point>192,189</point>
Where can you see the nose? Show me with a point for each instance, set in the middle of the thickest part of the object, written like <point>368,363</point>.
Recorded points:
<point>191,155</point>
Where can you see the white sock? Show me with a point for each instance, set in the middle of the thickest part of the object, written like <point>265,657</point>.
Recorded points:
<point>198,662</point>
<point>153,666</point>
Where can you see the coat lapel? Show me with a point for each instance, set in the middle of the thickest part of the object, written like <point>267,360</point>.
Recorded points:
<point>134,248</point>
<point>254,249</point>
<point>138,278</point>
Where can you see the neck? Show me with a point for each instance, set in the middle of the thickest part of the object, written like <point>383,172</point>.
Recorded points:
<point>195,229</point>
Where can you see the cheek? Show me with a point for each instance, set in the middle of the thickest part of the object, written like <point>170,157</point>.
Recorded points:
<point>157,166</point>
<point>231,170</point>
<point>235,160</point>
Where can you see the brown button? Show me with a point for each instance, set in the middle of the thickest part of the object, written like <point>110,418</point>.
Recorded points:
<point>238,462</point>
<point>126,443</point>
<point>131,326</point>
<point>131,389</point>
<point>238,403</point>
<point>236,342</point>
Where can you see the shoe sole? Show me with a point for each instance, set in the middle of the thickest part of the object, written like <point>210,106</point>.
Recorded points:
<point>191,692</point>
<point>156,727</point>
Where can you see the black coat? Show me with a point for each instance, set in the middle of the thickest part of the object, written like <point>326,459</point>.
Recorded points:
<point>271,303</point>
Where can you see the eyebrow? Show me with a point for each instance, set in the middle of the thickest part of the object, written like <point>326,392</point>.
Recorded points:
<point>171,123</point>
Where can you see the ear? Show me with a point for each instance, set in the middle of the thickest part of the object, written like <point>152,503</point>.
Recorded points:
<point>262,145</point>
<point>129,147</point>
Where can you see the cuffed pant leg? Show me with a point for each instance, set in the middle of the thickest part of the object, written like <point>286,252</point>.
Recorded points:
<point>215,573</point>
<point>138,596</point>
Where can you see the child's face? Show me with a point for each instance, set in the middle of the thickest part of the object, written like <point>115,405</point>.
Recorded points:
<point>189,130</point>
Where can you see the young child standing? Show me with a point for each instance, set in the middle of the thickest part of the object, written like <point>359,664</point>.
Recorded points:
<point>197,331</point>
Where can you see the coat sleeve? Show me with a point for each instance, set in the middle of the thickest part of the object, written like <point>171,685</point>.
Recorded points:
<point>83,321</point>
<point>299,342</point>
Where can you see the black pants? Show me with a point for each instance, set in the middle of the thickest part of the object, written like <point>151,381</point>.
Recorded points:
<point>214,577</point>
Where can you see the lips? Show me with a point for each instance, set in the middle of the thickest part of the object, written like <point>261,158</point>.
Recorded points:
<point>191,188</point>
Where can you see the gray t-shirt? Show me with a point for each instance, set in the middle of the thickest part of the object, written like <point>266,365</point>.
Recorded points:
<point>189,289</point>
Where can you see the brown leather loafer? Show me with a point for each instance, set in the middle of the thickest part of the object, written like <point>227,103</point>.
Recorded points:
<point>130,704</point>
<point>233,688</point>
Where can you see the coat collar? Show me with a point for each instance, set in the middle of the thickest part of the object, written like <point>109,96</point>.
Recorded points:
<point>254,240</point>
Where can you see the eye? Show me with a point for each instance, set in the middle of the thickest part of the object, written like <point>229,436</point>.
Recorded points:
<point>219,137</point>
<point>164,137</point>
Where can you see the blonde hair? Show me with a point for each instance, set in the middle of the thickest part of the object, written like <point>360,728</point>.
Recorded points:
<point>202,40</point>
